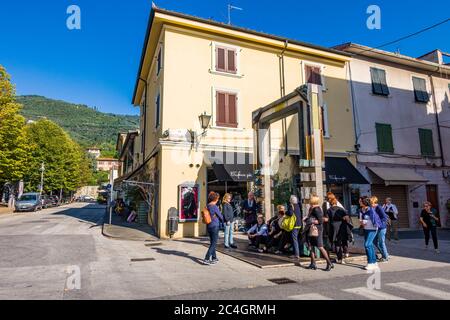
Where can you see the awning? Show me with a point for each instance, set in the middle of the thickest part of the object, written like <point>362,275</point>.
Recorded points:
<point>340,170</point>
<point>233,172</point>
<point>231,166</point>
<point>398,176</point>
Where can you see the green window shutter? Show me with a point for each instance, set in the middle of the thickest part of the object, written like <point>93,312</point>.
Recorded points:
<point>384,137</point>
<point>426,142</point>
<point>379,84</point>
<point>384,87</point>
<point>420,90</point>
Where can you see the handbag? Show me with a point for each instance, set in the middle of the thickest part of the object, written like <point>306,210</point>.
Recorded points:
<point>313,231</point>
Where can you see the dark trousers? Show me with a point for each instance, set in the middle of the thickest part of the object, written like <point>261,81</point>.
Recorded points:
<point>213,233</point>
<point>256,241</point>
<point>341,249</point>
<point>296,240</point>
<point>273,242</point>
<point>392,227</point>
<point>433,232</point>
<point>285,239</point>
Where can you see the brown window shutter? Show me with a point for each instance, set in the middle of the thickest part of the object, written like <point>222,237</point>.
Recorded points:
<point>220,59</point>
<point>220,108</point>
<point>317,77</point>
<point>232,111</point>
<point>308,73</point>
<point>312,75</point>
<point>231,61</point>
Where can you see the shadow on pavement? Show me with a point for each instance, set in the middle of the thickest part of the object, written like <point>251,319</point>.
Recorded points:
<point>179,254</point>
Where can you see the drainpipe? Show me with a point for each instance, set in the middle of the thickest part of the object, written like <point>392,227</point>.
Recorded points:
<point>355,114</point>
<point>145,117</point>
<point>283,93</point>
<point>441,149</point>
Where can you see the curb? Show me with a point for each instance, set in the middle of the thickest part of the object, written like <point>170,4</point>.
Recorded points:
<point>110,236</point>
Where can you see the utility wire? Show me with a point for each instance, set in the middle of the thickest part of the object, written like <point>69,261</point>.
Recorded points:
<point>405,37</point>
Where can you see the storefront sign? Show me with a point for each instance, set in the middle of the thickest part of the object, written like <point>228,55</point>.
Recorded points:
<point>238,175</point>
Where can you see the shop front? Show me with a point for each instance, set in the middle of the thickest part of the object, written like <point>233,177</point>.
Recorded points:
<point>344,180</point>
<point>230,172</point>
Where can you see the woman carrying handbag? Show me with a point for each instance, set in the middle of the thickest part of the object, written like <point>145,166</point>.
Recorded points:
<point>314,233</point>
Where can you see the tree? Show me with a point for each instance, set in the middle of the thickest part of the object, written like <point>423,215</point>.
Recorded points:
<point>14,149</point>
<point>66,166</point>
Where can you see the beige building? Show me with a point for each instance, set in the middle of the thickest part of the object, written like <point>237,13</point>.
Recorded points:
<point>106,164</point>
<point>191,66</point>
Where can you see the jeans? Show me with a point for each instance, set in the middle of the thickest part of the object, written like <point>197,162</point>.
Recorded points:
<point>369,236</point>
<point>213,233</point>
<point>296,239</point>
<point>229,228</point>
<point>392,228</point>
<point>380,242</point>
<point>433,232</point>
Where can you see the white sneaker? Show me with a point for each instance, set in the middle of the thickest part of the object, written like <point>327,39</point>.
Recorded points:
<point>371,266</point>
<point>437,251</point>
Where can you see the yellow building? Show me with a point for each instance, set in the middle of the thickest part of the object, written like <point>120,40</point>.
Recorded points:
<point>191,66</point>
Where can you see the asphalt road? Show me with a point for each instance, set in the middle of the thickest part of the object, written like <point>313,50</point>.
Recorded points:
<point>60,253</point>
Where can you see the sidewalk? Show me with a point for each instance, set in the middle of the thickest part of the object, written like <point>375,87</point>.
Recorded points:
<point>5,210</point>
<point>120,229</point>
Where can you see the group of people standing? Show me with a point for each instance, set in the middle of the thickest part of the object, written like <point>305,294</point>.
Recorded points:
<point>327,227</point>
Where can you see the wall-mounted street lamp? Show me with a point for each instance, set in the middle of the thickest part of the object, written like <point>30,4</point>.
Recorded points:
<point>204,121</point>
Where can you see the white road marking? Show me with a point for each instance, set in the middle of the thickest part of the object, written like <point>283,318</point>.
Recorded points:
<point>435,293</point>
<point>372,294</point>
<point>309,296</point>
<point>439,281</point>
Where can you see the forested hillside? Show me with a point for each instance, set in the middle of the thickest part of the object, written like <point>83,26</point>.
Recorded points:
<point>85,125</point>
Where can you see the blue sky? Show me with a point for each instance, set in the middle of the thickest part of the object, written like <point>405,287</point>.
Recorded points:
<point>97,65</point>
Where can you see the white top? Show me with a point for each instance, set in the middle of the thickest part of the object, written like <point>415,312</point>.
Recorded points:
<point>367,222</point>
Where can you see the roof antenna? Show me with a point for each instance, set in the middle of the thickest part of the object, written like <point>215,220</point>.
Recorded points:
<point>230,7</point>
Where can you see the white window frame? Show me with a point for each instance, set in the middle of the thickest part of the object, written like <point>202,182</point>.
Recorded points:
<point>214,90</point>
<point>322,67</point>
<point>237,62</point>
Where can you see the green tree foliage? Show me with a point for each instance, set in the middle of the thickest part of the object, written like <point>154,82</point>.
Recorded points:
<point>87,126</point>
<point>14,149</point>
<point>66,165</point>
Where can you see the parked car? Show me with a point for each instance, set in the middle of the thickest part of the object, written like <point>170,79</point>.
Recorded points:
<point>55,201</point>
<point>46,201</point>
<point>29,202</point>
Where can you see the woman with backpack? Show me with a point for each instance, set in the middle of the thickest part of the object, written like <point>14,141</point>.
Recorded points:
<point>314,233</point>
<point>212,217</point>
<point>369,223</point>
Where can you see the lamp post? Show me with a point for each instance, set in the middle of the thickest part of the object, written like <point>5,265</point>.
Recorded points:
<point>42,169</point>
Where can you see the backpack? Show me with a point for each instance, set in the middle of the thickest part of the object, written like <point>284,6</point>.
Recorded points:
<point>206,216</point>
<point>288,223</point>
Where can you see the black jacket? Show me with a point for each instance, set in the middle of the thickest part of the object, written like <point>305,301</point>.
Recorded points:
<point>227,211</point>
